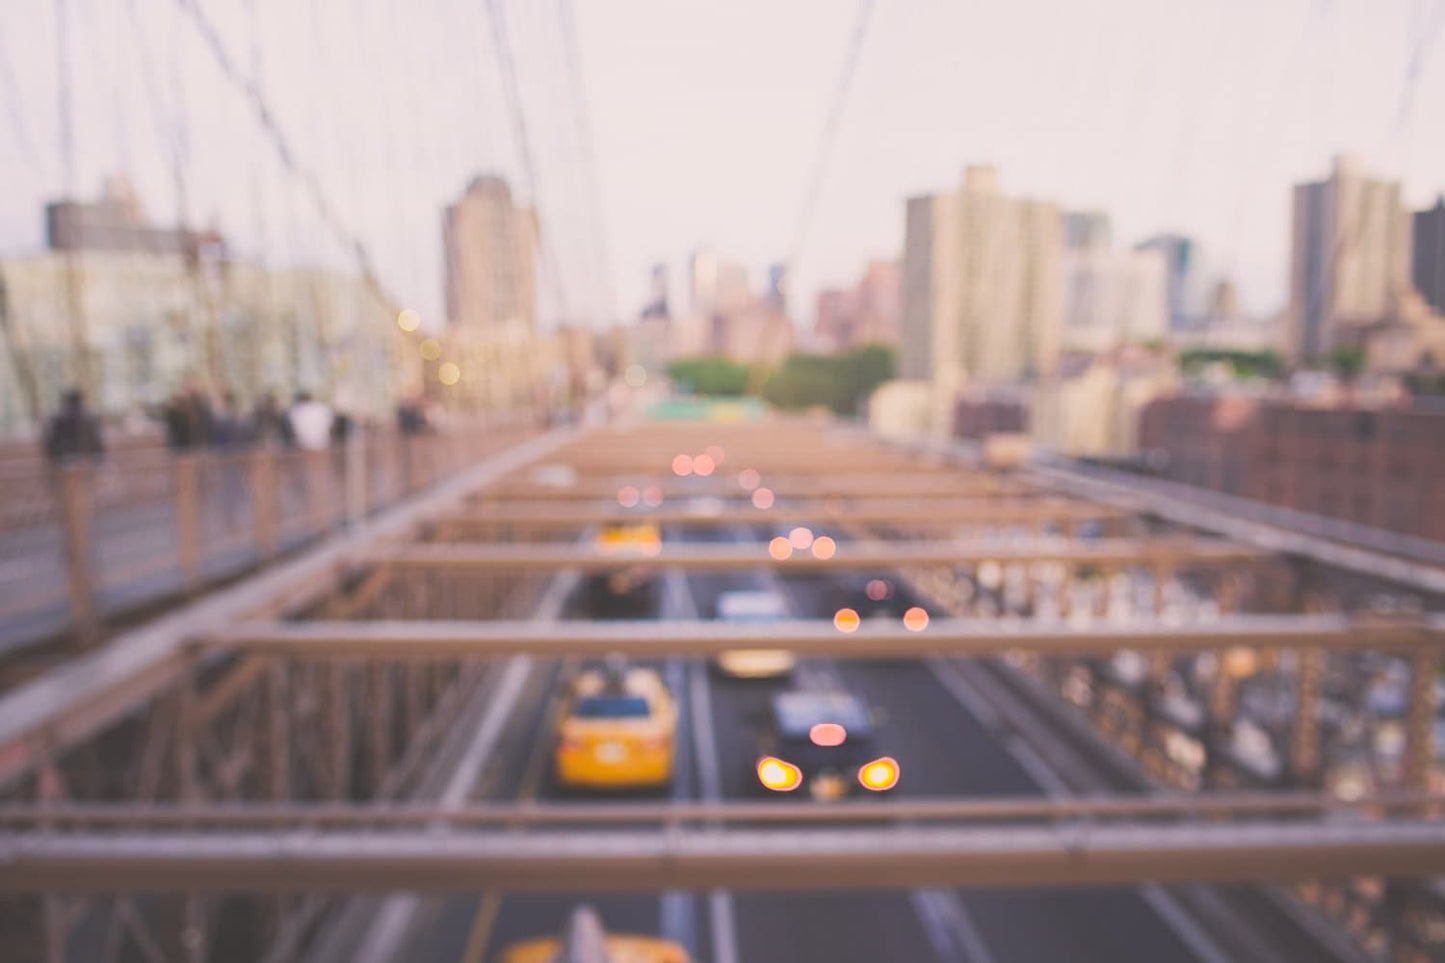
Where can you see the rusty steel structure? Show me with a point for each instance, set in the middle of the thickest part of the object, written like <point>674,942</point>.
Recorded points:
<point>294,733</point>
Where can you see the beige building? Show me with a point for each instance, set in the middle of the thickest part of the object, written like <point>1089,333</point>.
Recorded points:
<point>1112,298</point>
<point>1350,259</point>
<point>716,285</point>
<point>980,289</point>
<point>491,258</point>
<point>147,324</point>
<point>1094,411</point>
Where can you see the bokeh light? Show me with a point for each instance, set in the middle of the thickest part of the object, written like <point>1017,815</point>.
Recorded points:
<point>748,479</point>
<point>408,320</point>
<point>780,548</point>
<point>778,775</point>
<point>824,547</point>
<point>880,774</point>
<point>682,465</point>
<point>846,620</point>
<point>827,734</point>
<point>449,374</point>
<point>703,465</point>
<point>801,537</point>
<point>876,589</point>
<point>430,349</point>
<point>763,498</point>
<point>652,496</point>
<point>627,496</point>
<point>915,619</point>
<point>635,376</point>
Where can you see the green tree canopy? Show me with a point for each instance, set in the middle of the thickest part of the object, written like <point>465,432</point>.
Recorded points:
<point>712,375</point>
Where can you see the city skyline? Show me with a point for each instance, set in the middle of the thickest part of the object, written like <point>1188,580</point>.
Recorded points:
<point>1219,112</point>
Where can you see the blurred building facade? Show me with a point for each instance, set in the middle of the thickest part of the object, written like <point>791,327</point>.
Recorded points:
<point>715,284</point>
<point>1427,269</point>
<point>980,289</point>
<point>1182,273</point>
<point>1377,466</point>
<point>490,246</point>
<point>869,312</point>
<point>1349,260</point>
<point>1112,298</point>
<point>132,319</point>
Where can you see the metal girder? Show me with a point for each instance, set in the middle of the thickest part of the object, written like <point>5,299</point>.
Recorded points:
<point>739,511</point>
<point>437,639</point>
<point>922,483</point>
<point>1127,493</point>
<point>131,817</point>
<point>440,861</point>
<point>851,555</point>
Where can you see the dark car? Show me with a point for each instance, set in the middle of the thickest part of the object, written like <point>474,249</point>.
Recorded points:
<point>823,743</point>
<point>871,596</point>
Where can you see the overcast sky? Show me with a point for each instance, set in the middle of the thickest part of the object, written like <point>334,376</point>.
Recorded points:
<point>1193,117</point>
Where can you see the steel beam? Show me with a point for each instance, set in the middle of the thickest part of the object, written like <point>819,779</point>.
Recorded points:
<point>438,639</point>
<point>921,483</point>
<point>878,511</point>
<point>315,816</point>
<point>852,555</point>
<point>442,861</point>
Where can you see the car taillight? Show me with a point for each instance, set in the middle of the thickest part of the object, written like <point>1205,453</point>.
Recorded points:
<point>779,776</point>
<point>880,774</point>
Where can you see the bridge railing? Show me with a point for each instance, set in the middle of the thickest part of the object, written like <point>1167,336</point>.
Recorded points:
<point>83,544</point>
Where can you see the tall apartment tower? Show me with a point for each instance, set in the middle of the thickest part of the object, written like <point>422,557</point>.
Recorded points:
<point>491,253</point>
<point>980,287</point>
<point>1349,260</point>
<point>1428,271</point>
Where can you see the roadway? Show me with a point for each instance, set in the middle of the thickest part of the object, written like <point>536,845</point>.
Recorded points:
<point>944,750</point>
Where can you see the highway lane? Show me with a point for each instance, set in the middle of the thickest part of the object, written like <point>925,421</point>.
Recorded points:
<point>943,750</point>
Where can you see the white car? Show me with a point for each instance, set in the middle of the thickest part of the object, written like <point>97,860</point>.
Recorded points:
<point>752,607</point>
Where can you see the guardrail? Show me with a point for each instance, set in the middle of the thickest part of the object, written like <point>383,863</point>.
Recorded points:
<point>85,542</point>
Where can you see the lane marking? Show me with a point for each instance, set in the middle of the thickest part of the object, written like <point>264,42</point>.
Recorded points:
<point>709,776</point>
<point>488,909</point>
<point>950,927</point>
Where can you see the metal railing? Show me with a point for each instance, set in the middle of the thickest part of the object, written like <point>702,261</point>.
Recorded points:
<point>84,543</point>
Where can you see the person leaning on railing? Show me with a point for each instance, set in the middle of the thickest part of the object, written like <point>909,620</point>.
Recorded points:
<point>73,432</point>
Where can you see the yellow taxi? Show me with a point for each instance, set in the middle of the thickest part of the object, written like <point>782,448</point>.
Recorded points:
<point>629,592</point>
<point>616,731</point>
<point>584,941</point>
<point>630,539</point>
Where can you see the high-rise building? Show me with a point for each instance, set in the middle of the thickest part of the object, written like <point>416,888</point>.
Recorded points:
<point>117,222</point>
<point>980,288</point>
<point>1180,257</point>
<point>1113,298</point>
<point>1087,229</point>
<point>778,287</point>
<point>1428,267</point>
<point>1349,262</point>
<point>717,285</point>
<point>491,253</point>
<point>657,293</point>
<point>867,313</point>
